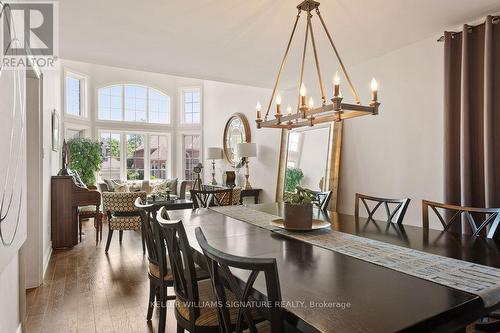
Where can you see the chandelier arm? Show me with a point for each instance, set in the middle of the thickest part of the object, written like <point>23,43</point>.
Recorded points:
<point>302,68</point>
<point>351,86</point>
<point>318,70</point>
<point>282,64</point>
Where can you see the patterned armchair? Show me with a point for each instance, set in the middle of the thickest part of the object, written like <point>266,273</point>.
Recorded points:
<point>122,213</point>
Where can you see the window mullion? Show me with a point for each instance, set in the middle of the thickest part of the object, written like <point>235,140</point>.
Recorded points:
<point>147,162</point>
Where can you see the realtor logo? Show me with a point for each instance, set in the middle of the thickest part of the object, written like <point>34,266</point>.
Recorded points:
<point>28,30</point>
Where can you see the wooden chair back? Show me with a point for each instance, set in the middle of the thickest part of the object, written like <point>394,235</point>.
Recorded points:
<point>219,264</point>
<point>182,265</point>
<point>208,198</point>
<point>396,215</point>
<point>148,215</point>
<point>323,199</point>
<point>490,224</point>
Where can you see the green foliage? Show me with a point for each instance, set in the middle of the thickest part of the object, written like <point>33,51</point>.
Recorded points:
<point>293,178</point>
<point>302,196</point>
<point>86,158</point>
<point>133,143</point>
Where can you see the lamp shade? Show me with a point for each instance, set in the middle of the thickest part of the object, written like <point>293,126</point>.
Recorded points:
<point>246,149</point>
<point>214,153</point>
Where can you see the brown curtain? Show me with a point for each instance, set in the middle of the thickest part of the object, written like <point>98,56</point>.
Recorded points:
<point>472,116</point>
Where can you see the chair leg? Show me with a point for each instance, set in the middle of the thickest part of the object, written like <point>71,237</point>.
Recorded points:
<point>152,296</point>
<point>101,217</point>
<point>121,236</point>
<point>143,243</point>
<point>163,309</point>
<point>96,226</point>
<point>110,234</point>
<point>80,227</point>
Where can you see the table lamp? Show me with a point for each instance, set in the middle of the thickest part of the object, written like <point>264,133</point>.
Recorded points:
<point>246,150</point>
<point>214,153</point>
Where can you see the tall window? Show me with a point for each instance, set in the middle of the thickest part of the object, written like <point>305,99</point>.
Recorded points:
<point>191,106</point>
<point>110,103</point>
<point>135,103</point>
<point>191,155</point>
<point>74,92</point>
<point>110,167</point>
<point>158,150</point>
<point>135,156</point>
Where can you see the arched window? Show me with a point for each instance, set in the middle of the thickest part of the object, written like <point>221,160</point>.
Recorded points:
<point>133,103</point>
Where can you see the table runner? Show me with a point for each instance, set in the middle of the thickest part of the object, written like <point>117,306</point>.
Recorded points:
<point>480,280</point>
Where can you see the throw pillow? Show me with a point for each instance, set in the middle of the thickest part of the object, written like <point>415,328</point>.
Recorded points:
<point>122,188</point>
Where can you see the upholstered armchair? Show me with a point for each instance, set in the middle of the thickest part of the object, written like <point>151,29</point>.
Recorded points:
<point>122,213</point>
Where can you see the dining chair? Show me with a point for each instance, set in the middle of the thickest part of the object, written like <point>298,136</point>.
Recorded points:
<point>122,213</point>
<point>207,198</point>
<point>156,279</point>
<point>158,268</point>
<point>490,224</point>
<point>253,317</point>
<point>194,310</point>
<point>397,213</point>
<point>323,199</point>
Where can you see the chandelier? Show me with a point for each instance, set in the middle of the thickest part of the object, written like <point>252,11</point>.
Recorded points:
<point>306,113</point>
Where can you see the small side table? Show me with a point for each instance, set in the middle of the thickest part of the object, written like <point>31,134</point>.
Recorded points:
<point>254,192</point>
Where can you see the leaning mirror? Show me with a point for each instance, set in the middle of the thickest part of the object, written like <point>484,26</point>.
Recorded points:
<point>237,130</point>
<point>310,158</point>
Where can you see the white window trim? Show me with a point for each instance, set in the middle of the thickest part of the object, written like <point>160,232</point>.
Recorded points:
<point>181,92</point>
<point>84,114</point>
<point>123,148</point>
<point>182,134</point>
<point>77,127</point>
<point>126,122</point>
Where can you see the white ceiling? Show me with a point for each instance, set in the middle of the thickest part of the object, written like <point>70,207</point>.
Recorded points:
<point>242,41</point>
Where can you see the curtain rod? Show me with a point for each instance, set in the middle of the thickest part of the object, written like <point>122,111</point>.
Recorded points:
<point>495,20</point>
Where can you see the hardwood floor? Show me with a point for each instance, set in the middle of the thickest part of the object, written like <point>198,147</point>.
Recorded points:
<point>85,290</point>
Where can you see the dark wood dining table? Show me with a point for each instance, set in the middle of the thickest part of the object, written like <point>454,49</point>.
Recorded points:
<point>325,291</point>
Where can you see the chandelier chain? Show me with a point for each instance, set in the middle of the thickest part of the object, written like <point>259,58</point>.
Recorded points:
<point>318,70</point>
<point>301,80</point>
<point>351,86</point>
<point>282,64</point>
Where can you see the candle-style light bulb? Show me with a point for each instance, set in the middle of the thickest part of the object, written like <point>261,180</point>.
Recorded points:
<point>303,92</point>
<point>336,84</point>
<point>374,87</point>
<point>278,103</point>
<point>311,103</point>
<point>289,110</point>
<point>259,109</point>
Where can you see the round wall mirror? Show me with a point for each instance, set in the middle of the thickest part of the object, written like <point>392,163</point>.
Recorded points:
<point>237,130</point>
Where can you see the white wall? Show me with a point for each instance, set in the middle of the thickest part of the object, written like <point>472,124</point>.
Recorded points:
<point>398,153</point>
<point>51,159</point>
<point>221,100</point>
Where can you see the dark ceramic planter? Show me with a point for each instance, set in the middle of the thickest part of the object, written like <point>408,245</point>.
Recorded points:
<point>298,216</point>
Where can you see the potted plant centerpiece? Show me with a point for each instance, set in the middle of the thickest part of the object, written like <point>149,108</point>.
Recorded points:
<point>298,209</point>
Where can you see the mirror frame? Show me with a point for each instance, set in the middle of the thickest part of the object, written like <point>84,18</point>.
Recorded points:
<point>248,137</point>
<point>333,165</point>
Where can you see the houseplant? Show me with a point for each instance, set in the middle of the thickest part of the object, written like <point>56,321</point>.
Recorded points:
<point>293,177</point>
<point>86,158</point>
<point>298,209</point>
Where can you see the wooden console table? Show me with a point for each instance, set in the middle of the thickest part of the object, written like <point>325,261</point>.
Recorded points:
<point>254,192</point>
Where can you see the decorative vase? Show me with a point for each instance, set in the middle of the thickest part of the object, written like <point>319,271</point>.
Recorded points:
<point>230,178</point>
<point>298,216</point>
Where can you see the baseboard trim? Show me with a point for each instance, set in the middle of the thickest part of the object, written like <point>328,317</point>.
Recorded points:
<point>20,328</point>
<point>46,261</point>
